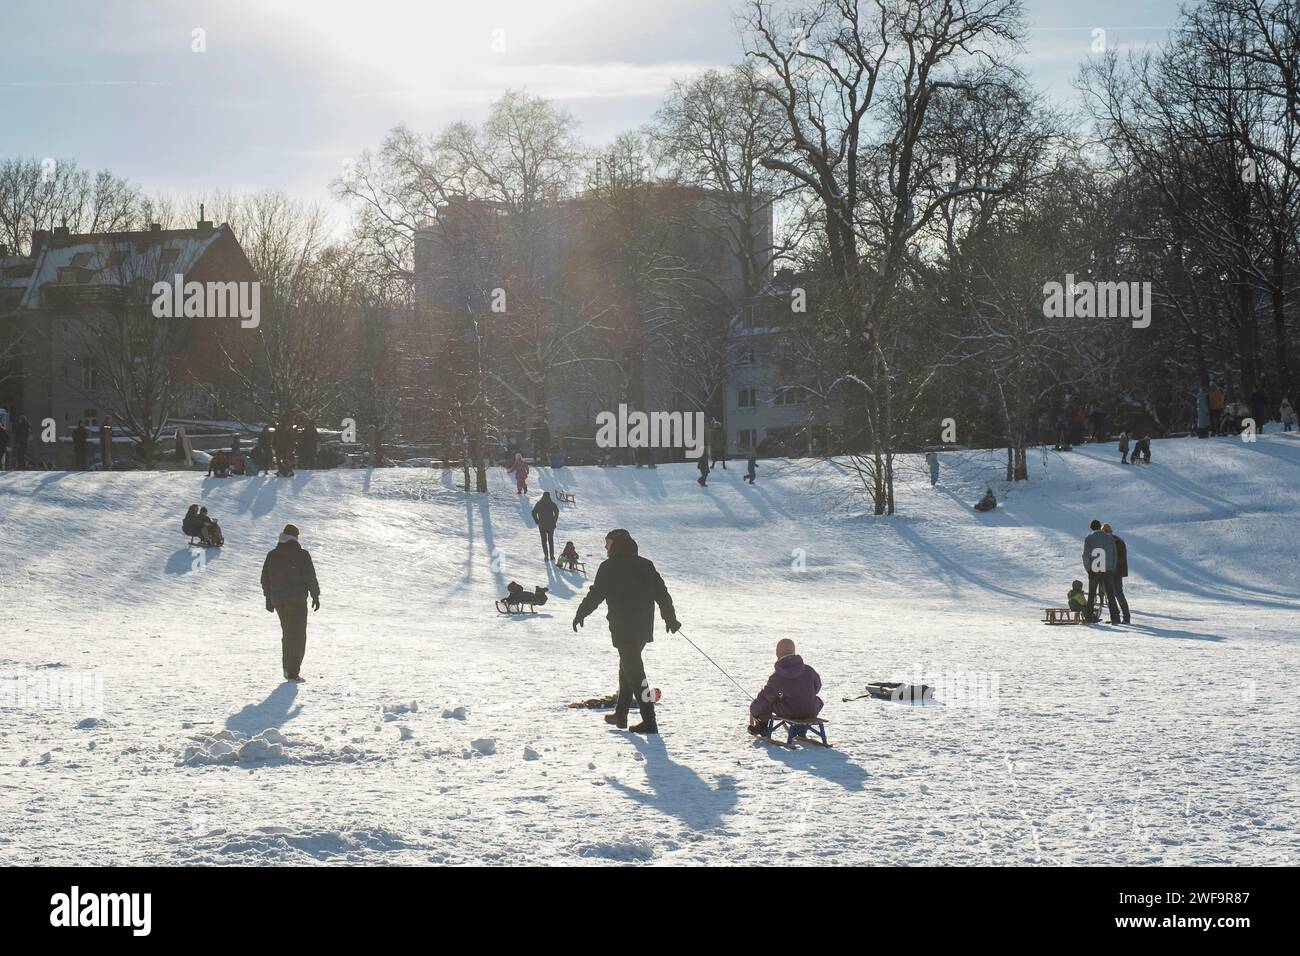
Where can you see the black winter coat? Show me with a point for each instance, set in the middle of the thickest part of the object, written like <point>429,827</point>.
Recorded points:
<point>1121,557</point>
<point>546,513</point>
<point>630,587</point>
<point>288,575</point>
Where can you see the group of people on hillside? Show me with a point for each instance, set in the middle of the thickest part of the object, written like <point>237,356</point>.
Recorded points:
<point>15,448</point>
<point>1215,415</point>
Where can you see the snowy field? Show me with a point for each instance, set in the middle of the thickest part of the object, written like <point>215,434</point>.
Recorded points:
<point>1171,741</point>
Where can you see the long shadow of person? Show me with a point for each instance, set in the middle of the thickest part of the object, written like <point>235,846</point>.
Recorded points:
<point>276,710</point>
<point>678,790</point>
<point>826,762</point>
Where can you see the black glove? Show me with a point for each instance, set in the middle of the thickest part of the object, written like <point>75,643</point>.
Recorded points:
<point>315,604</point>
<point>577,623</point>
<point>673,626</point>
<point>269,605</point>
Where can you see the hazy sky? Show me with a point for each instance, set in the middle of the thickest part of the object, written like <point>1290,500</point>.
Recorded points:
<point>287,90</point>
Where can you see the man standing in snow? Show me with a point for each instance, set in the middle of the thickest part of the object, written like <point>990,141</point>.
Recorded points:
<point>288,576</point>
<point>1121,571</point>
<point>545,514</point>
<point>79,436</point>
<point>1099,562</point>
<point>630,587</point>
<point>932,460</point>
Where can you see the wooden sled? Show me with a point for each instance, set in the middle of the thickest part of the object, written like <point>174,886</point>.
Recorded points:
<point>1063,615</point>
<point>576,566</point>
<point>513,608</point>
<point>197,542</point>
<point>568,497</point>
<point>796,729</point>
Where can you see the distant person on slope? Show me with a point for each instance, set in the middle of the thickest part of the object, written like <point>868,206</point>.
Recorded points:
<point>4,446</point>
<point>288,577</point>
<point>545,515</point>
<point>1142,450</point>
<point>988,502</point>
<point>1099,563</point>
<point>1259,409</point>
<point>1123,448</point>
<point>703,480</point>
<point>22,433</point>
<point>932,460</point>
<point>79,436</point>
<point>718,444</point>
<point>751,467</point>
<point>1287,414</point>
<point>1202,414</point>
<point>106,443</point>
<point>263,454</point>
<point>630,587</point>
<point>1121,571</point>
<point>568,557</point>
<point>791,691</point>
<point>1216,401</point>
<point>520,470</point>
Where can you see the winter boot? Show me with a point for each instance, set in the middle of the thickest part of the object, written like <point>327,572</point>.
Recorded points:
<point>645,727</point>
<point>618,720</point>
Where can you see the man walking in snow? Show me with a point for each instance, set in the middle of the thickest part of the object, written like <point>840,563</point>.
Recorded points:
<point>288,576</point>
<point>630,587</point>
<point>1099,562</point>
<point>545,515</point>
<point>703,480</point>
<point>932,460</point>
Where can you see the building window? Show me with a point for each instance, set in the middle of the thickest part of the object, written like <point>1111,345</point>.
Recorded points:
<point>747,438</point>
<point>745,356</point>
<point>89,375</point>
<point>745,398</point>
<point>91,416</point>
<point>788,395</point>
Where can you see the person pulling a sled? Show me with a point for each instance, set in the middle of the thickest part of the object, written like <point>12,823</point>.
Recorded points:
<point>545,515</point>
<point>630,587</point>
<point>520,470</point>
<point>288,577</point>
<point>790,692</point>
<point>988,502</point>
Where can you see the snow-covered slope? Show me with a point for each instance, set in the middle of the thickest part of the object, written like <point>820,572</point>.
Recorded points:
<point>1170,741</point>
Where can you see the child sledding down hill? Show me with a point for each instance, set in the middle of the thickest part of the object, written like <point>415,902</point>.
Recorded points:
<point>196,523</point>
<point>518,594</point>
<point>568,557</point>
<point>988,502</point>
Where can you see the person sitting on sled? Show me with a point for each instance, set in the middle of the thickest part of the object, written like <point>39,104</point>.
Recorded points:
<point>219,466</point>
<point>1078,600</point>
<point>988,502</point>
<point>210,531</point>
<point>791,691</point>
<point>568,557</point>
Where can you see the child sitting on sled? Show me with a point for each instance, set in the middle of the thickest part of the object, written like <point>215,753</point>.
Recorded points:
<point>568,557</point>
<point>518,594</point>
<point>988,502</point>
<point>1078,600</point>
<point>791,691</point>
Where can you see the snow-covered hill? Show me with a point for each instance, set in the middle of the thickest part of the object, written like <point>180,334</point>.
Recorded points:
<point>1169,741</point>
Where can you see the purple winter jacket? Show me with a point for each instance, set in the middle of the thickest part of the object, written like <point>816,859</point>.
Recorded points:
<point>791,691</point>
